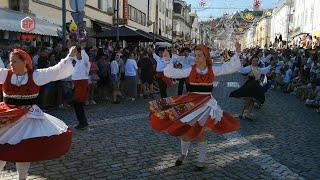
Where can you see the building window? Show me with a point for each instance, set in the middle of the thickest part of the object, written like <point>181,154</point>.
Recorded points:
<point>177,8</point>
<point>163,25</point>
<point>14,5</point>
<point>105,4</point>
<point>137,15</point>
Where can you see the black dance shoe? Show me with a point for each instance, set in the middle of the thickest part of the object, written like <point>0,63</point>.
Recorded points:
<point>180,160</point>
<point>199,166</point>
<point>81,126</point>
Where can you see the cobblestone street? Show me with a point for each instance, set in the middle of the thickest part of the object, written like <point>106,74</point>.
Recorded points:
<point>281,143</point>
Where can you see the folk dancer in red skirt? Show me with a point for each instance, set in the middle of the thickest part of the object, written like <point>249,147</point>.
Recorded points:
<point>26,133</point>
<point>80,79</point>
<point>190,116</point>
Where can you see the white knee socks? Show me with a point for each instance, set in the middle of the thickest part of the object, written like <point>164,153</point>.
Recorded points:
<point>2,164</point>
<point>23,169</point>
<point>202,151</point>
<point>185,147</point>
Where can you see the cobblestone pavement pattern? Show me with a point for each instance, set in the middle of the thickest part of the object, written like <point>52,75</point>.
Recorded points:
<point>282,143</point>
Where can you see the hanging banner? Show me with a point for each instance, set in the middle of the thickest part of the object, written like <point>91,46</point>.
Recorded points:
<point>247,16</point>
<point>202,3</point>
<point>256,4</point>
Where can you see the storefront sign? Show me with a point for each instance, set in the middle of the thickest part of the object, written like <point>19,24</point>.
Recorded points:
<point>28,37</point>
<point>125,11</point>
<point>28,24</point>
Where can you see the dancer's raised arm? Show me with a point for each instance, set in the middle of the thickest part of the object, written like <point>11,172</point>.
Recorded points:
<point>229,67</point>
<point>59,71</point>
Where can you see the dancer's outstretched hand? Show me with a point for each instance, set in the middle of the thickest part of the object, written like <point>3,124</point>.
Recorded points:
<point>73,51</point>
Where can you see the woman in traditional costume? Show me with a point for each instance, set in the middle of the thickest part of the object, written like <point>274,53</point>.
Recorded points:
<point>190,116</point>
<point>252,90</point>
<point>26,133</point>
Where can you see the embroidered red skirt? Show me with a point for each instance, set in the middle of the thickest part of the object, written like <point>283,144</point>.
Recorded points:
<point>171,115</point>
<point>80,93</point>
<point>10,115</point>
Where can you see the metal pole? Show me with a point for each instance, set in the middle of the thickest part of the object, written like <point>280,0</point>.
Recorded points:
<point>64,22</point>
<point>289,23</point>
<point>154,38</point>
<point>148,10</point>
<point>118,23</point>
<point>172,12</point>
<point>79,23</point>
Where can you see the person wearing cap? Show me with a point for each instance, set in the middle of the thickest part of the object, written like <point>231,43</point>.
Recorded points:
<point>26,133</point>
<point>80,79</point>
<point>190,116</point>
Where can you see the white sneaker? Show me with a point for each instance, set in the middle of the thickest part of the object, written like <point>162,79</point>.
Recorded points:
<point>93,102</point>
<point>133,99</point>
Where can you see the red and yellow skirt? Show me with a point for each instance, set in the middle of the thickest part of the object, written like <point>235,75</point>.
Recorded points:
<point>190,115</point>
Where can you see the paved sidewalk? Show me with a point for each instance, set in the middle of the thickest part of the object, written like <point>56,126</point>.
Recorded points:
<point>282,143</point>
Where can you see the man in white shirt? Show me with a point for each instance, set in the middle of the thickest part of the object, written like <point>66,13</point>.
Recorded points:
<point>183,60</point>
<point>162,62</point>
<point>80,79</point>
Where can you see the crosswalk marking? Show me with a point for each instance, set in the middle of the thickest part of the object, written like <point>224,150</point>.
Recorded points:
<point>229,84</point>
<point>215,84</point>
<point>233,84</point>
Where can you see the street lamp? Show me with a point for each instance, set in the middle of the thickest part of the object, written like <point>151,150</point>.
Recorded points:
<point>111,11</point>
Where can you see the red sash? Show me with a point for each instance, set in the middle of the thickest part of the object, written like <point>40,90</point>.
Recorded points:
<point>80,90</point>
<point>165,79</point>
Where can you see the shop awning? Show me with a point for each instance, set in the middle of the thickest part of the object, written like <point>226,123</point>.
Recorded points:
<point>316,33</point>
<point>151,36</point>
<point>125,33</point>
<point>11,21</point>
<point>101,26</point>
<point>157,37</point>
<point>163,39</point>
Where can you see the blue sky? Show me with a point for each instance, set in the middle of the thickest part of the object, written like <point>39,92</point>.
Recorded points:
<point>227,5</point>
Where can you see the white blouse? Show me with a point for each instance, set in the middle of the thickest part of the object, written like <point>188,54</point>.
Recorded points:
<point>41,77</point>
<point>226,68</point>
<point>82,67</point>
